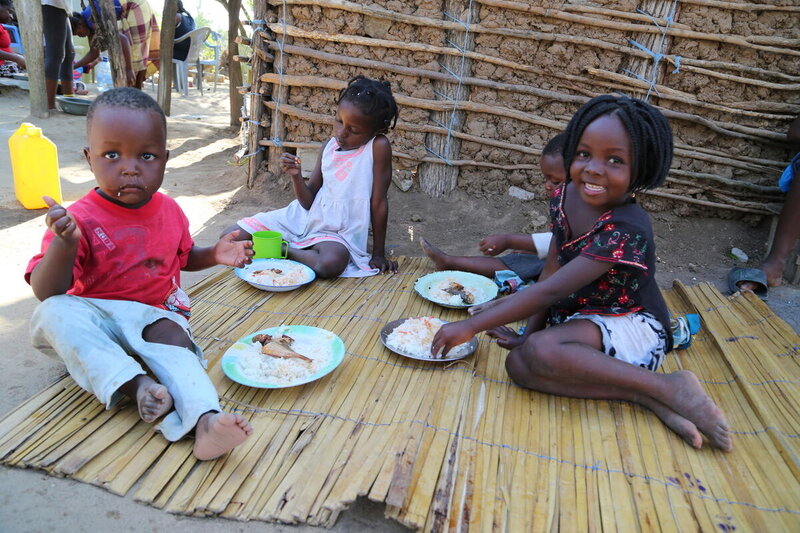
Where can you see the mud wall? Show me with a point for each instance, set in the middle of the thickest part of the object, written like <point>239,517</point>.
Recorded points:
<point>727,75</point>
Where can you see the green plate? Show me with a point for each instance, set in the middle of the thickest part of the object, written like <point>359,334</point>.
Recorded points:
<point>230,361</point>
<point>482,287</point>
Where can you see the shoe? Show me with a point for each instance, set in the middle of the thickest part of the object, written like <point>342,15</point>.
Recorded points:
<point>683,328</point>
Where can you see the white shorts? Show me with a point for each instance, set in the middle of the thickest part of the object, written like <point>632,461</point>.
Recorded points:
<point>636,338</point>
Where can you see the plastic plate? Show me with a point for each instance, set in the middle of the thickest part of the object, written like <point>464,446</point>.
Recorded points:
<point>482,288</point>
<point>230,360</point>
<point>248,273</point>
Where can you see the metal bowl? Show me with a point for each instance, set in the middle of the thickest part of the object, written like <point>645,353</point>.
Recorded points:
<point>74,105</point>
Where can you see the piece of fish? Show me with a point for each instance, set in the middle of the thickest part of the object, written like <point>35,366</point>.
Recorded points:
<point>457,289</point>
<point>281,347</point>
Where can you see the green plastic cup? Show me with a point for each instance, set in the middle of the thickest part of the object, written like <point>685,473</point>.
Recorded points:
<point>269,245</point>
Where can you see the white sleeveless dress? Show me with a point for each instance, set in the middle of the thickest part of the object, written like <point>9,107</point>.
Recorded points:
<point>340,212</point>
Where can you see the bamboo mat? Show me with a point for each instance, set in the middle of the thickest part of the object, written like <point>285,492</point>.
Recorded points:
<point>446,446</point>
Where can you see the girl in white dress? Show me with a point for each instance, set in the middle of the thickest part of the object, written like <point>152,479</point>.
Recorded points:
<point>328,225</point>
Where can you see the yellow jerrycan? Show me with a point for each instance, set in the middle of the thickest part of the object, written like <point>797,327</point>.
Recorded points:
<point>34,162</point>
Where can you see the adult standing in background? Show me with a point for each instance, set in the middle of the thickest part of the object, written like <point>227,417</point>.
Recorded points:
<point>58,50</point>
<point>184,23</point>
<point>140,25</point>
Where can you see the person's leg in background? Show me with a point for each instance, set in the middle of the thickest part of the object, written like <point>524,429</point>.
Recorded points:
<point>57,52</point>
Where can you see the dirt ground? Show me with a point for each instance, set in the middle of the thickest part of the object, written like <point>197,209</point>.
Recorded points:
<point>212,192</point>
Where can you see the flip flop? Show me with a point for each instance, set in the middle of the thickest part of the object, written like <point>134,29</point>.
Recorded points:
<point>753,275</point>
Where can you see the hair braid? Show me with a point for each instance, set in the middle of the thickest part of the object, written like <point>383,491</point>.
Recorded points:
<point>649,132</point>
<point>373,98</point>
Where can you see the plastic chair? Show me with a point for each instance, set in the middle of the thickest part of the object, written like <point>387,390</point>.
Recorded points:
<point>16,40</point>
<point>215,37</point>
<point>197,37</point>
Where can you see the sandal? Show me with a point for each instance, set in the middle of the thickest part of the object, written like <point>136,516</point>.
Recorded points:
<point>739,275</point>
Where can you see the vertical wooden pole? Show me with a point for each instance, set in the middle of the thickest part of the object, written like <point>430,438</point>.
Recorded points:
<point>234,68</point>
<point>165,56</point>
<point>106,28</point>
<point>281,95</point>
<point>439,179</point>
<point>31,26</point>
<point>256,105</point>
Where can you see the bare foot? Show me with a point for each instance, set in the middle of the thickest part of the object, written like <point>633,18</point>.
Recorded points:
<point>506,337</point>
<point>680,425</point>
<point>689,400</point>
<point>438,257</point>
<point>218,433</point>
<point>773,268</point>
<point>475,309</point>
<point>152,399</point>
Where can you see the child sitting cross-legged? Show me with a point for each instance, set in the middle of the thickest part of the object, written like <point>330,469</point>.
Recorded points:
<point>108,277</point>
<point>328,225</point>
<point>609,327</point>
<point>528,264</point>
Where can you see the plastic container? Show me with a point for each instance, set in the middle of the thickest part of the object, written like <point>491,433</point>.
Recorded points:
<point>102,74</point>
<point>34,163</point>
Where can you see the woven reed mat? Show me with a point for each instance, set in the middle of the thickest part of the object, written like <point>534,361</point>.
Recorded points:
<point>446,446</point>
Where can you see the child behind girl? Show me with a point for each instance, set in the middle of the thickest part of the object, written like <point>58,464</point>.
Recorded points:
<point>609,323</point>
<point>527,266</point>
<point>328,225</point>
<point>108,277</point>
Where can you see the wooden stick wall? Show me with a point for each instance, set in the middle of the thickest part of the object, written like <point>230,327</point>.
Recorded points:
<point>729,87</point>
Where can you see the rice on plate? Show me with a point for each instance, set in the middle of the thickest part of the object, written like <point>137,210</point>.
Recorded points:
<point>259,367</point>
<point>280,277</point>
<point>414,337</point>
<point>443,291</point>
<point>455,288</point>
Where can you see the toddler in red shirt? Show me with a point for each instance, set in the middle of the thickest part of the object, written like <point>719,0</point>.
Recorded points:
<point>108,277</point>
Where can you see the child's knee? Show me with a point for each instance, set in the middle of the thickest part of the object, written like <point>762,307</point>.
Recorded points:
<point>539,354</point>
<point>165,331</point>
<point>331,267</point>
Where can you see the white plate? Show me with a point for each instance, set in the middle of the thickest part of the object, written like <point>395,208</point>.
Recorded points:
<point>230,360</point>
<point>247,273</point>
<point>481,287</point>
<point>472,345</point>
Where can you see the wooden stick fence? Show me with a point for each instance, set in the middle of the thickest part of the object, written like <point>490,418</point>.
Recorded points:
<point>768,101</point>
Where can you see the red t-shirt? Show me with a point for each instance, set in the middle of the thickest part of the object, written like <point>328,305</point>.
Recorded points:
<point>5,41</point>
<point>127,254</point>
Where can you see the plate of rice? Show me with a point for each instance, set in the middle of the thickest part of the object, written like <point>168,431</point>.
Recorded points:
<point>276,275</point>
<point>412,337</point>
<point>456,289</point>
<point>283,356</point>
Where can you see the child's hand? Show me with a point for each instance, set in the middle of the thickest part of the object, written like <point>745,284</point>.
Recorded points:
<point>290,164</point>
<point>229,251</point>
<point>384,265</point>
<point>60,222</point>
<point>494,244</point>
<point>449,336</point>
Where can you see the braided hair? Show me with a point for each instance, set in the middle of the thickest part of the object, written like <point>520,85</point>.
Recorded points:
<point>126,97</point>
<point>374,99</point>
<point>647,128</point>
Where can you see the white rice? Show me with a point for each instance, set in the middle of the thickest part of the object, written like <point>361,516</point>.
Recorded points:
<point>415,336</point>
<point>290,275</point>
<point>264,368</point>
<point>436,292</point>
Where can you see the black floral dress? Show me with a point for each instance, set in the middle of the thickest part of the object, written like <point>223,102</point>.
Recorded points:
<point>623,236</point>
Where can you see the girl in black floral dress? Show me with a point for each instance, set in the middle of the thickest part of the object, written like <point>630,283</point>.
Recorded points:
<point>609,323</point>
